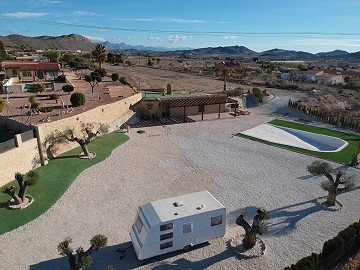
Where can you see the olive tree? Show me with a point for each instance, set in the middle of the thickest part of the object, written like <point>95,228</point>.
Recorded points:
<point>93,79</point>
<point>24,181</point>
<point>334,185</point>
<point>82,258</point>
<point>87,134</point>
<point>257,227</point>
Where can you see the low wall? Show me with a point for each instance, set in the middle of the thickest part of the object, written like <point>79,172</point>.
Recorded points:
<point>26,155</point>
<point>113,114</point>
<point>21,159</point>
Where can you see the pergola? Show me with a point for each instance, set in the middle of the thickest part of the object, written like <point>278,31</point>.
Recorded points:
<point>196,101</point>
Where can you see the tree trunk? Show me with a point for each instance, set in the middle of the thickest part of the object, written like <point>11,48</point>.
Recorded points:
<point>11,191</point>
<point>331,198</point>
<point>85,149</point>
<point>22,192</point>
<point>250,232</point>
<point>250,239</point>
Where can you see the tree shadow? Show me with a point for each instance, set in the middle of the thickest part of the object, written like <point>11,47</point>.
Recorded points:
<point>3,204</point>
<point>285,219</point>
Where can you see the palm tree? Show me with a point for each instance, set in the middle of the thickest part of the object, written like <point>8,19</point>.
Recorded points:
<point>100,54</point>
<point>225,73</point>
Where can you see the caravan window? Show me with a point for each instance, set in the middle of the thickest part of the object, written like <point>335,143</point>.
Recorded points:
<point>166,236</point>
<point>166,245</point>
<point>216,220</point>
<point>138,224</point>
<point>166,227</point>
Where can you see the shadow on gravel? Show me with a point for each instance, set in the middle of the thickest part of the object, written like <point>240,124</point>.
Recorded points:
<point>283,220</point>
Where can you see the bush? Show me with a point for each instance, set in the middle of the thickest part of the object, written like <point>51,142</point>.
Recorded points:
<point>67,88</point>
<point>123,80</point>
<point>36,88</point>
<point>60,79</point>
<point>101,71</point>
<point>235,92</point>
<point>259,94</point>
<point>77,99</point>
<point>115,77</point>
<point>45,109</point>
<point>54,96</point>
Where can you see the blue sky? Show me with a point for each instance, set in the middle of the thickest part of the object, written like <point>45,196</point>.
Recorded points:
<point>308,25</point>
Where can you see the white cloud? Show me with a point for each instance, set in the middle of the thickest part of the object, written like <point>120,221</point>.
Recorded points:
<point>95,38</point>
<point>23,15</point>
<point>84,13</point>
<point>9,31</point>
<point>154,39</point>
<point>176,38</point>
<point>161,20</point>
<point>44,2</point>
<point>231,37</point>
<point>102,30</point>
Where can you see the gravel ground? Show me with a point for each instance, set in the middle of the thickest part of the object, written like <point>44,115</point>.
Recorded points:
<point>179,159</point>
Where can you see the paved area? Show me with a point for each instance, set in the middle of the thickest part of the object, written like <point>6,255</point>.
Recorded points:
<point>178,159</point>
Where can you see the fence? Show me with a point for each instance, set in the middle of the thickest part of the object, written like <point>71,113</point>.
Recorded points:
<point>326,116</point>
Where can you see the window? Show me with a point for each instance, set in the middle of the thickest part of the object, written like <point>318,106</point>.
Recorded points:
<point>166,245</point>
<point>26,73</point>
<point>166,236</point>
<point>138,224</point>
<point>187,227</point>
<point>216,220</point>
<point>149,106</point>
<point>166,227</point>
<point>201,108</point>
<point>14,71</point>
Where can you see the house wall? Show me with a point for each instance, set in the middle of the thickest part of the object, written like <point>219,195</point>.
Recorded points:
<point>194,110</point>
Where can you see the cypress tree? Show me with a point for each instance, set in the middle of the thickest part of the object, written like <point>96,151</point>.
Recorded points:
<point>2,52</point>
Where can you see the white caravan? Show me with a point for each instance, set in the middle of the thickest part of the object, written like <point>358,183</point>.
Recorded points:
<point>177,223</point>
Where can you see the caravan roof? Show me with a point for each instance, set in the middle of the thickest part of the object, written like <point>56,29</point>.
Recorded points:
<point>180,206</point>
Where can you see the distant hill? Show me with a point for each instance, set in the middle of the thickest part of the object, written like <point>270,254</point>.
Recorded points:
<point>278,54</point>
<point>335,53</point>
<point>75,42</point>
<point>71,42</point>
<point>125,47</point>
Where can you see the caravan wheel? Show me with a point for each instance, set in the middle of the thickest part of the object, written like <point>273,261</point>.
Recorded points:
<point>187,248</point>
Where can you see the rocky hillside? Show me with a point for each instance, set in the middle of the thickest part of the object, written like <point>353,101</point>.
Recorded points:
<point>68,42</point>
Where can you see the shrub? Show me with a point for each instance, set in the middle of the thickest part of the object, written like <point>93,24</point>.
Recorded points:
<point>77,99</point>
<point>45,109</point>
<point>54,96</point>
<point>259,94</point>
<point>36,88</point>
<point>115,77</point>
<point>101,71</point>
<point>235,92</point>
<point>123,80</point>
<point>60,79</point>
<point>67,88</point>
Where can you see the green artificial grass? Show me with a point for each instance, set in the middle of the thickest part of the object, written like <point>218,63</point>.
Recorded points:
<point>344,156</point>
<point>54,179</point>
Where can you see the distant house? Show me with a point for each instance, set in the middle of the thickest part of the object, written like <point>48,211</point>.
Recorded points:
<point>175,104</point>
<point>313,76</point>
<point>29,71</point>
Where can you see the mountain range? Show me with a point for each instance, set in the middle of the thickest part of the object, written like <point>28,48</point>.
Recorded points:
<point>75,42</point>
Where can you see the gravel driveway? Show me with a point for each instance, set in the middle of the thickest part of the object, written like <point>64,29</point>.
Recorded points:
<point>179,159</point>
